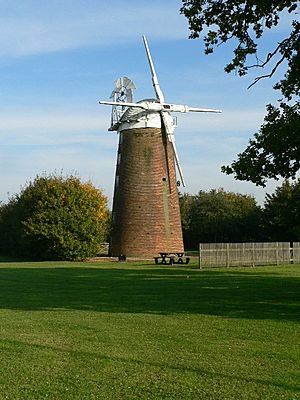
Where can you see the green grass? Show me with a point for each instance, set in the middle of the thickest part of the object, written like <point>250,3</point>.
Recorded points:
<point>139,331</point>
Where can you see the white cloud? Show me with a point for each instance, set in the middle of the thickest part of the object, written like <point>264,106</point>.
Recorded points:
<point>42,27</point>
<point>50,121</point>
<point>217,133</point>
<point>47,141</point>
<point>91,157</point>
<point>48,128</point>
<point>239,120</point>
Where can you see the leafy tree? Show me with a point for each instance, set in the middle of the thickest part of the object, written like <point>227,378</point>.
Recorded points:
<point>282,213</point>
<point>54,217</point>
<point>219,216</point>
<point>186,202</point>
<point>275,149</point>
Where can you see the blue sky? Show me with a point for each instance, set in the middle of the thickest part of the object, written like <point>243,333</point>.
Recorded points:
<point>58,58</point>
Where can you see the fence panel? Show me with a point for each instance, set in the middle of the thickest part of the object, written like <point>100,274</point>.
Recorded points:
<point>244,254</point>
<point>296,252</point>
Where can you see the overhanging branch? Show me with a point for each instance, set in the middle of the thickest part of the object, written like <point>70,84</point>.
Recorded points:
<point>267,75</point>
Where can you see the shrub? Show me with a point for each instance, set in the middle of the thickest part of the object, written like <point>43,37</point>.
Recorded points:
<point>54,218</point>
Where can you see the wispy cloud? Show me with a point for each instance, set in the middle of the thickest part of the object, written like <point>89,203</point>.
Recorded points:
<point>39,27</point>
<point>53,128</point>
<point>239,120</point>
<point>50,121</point>
<point>67,130</point>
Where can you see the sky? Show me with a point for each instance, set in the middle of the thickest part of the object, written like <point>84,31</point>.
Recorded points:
<point>58,58</point>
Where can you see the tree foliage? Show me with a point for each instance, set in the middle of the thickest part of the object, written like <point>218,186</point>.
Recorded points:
<point>219,216</point>
<point>56,218</point>
<point>245,23</point>
<point>275,150</point>
<point>282,213</point>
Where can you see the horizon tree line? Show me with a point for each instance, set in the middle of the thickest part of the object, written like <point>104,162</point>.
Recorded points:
<point>63,218</point>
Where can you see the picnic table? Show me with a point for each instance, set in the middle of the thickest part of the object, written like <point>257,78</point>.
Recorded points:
<point>171,258</point>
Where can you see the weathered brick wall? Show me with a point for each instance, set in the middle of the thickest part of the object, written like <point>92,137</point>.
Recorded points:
<point>146,215</point>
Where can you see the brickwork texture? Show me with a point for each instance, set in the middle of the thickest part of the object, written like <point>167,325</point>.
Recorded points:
<point>146,214</point>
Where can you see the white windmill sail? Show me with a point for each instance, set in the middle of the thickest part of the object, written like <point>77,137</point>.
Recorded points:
<point>125,101</point>
<point>166,116</point>
<point>158,92</point>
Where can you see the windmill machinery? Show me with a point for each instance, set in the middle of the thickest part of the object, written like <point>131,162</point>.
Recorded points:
<point>123,92</point>
<point>146,214</point>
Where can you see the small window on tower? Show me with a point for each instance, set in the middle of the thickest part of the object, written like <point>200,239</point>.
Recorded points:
<point>164,179</point>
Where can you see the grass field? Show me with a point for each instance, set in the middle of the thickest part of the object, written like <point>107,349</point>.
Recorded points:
<point>139,331</point>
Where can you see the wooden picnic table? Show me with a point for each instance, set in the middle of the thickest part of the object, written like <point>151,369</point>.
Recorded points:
<point>171,258</point>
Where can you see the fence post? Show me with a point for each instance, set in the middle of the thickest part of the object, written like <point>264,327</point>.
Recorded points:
<point>291,252</point>
<point>227,254</point>
<point>277,255</point>
<point>200,267</point>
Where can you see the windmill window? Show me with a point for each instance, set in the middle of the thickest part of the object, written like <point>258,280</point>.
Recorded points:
<point>164,179</point>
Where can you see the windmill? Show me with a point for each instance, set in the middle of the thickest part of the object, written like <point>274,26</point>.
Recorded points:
<point>146,214</point>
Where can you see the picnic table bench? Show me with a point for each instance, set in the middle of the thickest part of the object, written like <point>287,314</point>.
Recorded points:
<point>171,258</point>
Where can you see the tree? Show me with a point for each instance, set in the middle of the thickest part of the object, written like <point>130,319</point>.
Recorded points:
<point>219,216</point>
<point>275,149</point>
<point>56,218</point>
<point>282,213</point>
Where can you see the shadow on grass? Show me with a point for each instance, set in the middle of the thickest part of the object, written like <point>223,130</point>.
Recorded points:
<point>236,294</point>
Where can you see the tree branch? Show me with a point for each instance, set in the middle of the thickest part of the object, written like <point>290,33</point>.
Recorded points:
<point>269,56</point>
<point>267,75</point>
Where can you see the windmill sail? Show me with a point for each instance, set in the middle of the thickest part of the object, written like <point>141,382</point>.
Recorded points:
<point>146,213</point>
<point>159,94</point>
<point>122,97</point>
<point>165,114</point>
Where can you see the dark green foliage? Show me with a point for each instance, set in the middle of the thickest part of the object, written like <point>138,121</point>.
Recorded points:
<point>54,218</point>
<point>244,22</point>
<point>219,216</point>
<point>275,150</point>
<point>282,213</point>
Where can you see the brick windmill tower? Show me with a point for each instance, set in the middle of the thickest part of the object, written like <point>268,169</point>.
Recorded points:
<point>146,215</point>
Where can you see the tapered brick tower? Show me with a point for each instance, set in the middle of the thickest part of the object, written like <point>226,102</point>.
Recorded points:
<point>146,215</point>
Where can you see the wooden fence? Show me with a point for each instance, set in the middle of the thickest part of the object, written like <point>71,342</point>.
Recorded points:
<point>247,254</point>
<point>296,252</point>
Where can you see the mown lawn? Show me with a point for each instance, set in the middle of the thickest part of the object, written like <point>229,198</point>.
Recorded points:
<point>139,331</point>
